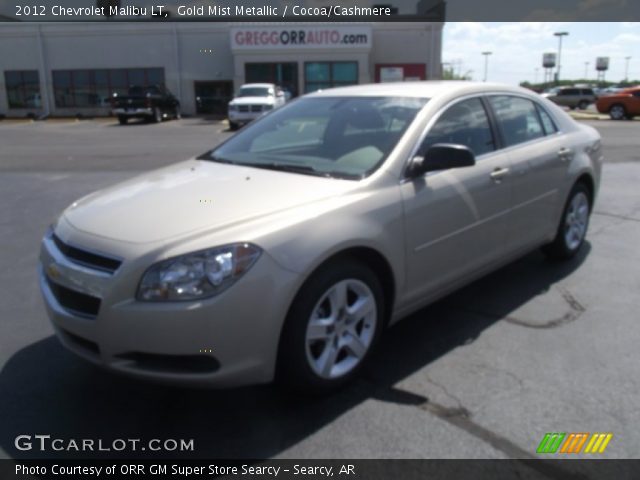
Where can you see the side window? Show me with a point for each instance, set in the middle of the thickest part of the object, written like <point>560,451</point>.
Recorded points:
<point>517,118</point>
<point>547,122</point>
<point>465,123</point>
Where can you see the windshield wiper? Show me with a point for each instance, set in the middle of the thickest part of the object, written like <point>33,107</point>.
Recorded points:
<point>303,169</point>
<point>283,167</point>
<point>216,158</point>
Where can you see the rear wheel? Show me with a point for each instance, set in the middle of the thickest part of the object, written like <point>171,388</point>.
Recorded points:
<point>331,329</point>
<point>583,105</point>
<point>573,225</point>
<point>122,119</point>
<point>617,112</point>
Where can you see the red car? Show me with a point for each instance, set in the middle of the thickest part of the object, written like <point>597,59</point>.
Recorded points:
<point>624,104</point>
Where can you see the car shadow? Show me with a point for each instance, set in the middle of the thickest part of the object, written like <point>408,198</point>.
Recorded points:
<point>46,390</point>
<point>133,122</point>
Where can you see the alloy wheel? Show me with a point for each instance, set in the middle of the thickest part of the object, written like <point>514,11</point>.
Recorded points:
<point>617,112</point>
<point>576,220</point>
<point>341,329</point>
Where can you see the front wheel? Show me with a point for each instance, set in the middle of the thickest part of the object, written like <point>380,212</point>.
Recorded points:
<point>583,105</point>
<point>122,120</point>
<point>157,115</point>
<point>617,112</point>
<point>331,328</point>
<point>573,225</point>
<point>176,113</point>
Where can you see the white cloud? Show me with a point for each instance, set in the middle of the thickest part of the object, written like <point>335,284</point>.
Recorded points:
<point>518,47</point>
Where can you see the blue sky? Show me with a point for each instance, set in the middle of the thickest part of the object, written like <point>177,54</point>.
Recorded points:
<point>518,47</point>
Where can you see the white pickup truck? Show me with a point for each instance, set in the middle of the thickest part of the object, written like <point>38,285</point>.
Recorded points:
<point>252,100</point>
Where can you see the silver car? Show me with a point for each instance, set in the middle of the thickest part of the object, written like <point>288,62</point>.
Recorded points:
<point>287,250</point>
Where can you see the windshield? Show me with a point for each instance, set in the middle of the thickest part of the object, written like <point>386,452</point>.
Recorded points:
<point>141,91</point>
<point>253,92</point>
<point>347,137</point>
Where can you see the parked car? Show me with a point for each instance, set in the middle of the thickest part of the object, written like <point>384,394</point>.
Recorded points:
<point>621,105</point>
<point>153,103</point>
<point>252,100</point>
<point>572,97</point>
<point>324,222</point>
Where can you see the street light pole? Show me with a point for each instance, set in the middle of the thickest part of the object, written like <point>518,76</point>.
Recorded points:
<point>559,35</point>
<point>486,64</point>
<point>626,68</point>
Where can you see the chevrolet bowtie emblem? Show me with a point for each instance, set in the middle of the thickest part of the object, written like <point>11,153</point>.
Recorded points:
<point>52,271</point>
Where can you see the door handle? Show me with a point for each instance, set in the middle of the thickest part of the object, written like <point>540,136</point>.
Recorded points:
<point>565,154</point>
<point>498,174</point>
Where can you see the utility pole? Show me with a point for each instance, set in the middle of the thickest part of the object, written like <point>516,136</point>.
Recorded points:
<point>559,35</point>
<point>486,64</point>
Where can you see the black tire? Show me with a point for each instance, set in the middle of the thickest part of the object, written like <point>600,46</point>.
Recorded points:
<point>157,115</point>
<point>583,105</point>
<point>122,120</point>
<point>559,248</point>
<point>294,369</point>
<point>176,113</point>
<point>233,126</point>
<point>617,112</point>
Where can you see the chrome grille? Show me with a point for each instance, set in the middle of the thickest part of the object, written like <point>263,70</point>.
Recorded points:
<point>85,258</point>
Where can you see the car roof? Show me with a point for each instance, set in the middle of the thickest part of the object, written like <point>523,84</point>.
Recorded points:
<point>425,89</point>
<point>259,85</point>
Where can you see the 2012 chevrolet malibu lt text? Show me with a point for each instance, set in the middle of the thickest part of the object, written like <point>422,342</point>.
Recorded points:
<point>286,251</point>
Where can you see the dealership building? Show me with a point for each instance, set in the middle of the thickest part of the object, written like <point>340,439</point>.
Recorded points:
<point>67,69</point>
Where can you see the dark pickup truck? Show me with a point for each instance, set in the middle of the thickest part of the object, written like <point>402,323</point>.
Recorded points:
<point>153,103</point>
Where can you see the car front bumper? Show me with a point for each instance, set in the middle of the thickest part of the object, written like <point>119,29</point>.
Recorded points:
<point>243,117</point>
<point>133,112</point>
<point>225,341</point>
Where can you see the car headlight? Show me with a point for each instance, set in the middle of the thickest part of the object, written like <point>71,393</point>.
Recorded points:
<point>197,275</point>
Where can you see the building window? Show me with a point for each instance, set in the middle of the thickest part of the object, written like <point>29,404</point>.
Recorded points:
<point>320,75</point>
<point>23,89</point>
<point>94,88</point>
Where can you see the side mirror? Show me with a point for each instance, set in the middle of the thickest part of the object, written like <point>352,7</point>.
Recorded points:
<point>442,156</point>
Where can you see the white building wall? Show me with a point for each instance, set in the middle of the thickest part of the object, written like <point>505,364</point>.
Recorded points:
<point>408,42</point>
<point>182,50</point>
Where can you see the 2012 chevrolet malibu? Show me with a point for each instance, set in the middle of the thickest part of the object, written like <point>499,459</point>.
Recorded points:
<point>285,251</point>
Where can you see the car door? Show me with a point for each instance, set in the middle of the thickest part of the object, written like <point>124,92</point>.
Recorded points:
<point>455,220</point>
<point>634,103</point>
<point>539,156</point>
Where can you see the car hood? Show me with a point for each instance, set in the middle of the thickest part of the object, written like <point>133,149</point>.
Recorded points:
<point>195,195</point>
<point>251,100</point>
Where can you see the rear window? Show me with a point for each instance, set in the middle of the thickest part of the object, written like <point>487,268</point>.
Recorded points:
<point>518,119</point>
<point>547,121</point>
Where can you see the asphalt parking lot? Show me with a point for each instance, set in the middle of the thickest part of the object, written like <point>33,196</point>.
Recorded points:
<point>536,347</point>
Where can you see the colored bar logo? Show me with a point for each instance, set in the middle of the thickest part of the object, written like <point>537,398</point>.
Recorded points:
<point>556,442</point>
